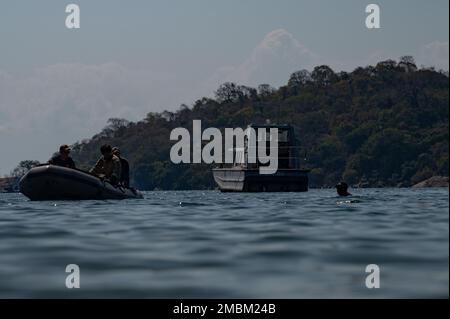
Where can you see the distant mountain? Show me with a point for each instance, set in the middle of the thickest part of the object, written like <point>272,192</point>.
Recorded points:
<point>383,125</point>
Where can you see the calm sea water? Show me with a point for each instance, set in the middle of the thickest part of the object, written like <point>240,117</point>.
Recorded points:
<point>214,245</point>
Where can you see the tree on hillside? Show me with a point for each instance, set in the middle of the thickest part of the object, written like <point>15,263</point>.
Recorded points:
<point>227,93</point>
<point>299,78</point>
<point>323,75</point>
<point>408,63</point>
<point>265,90</point>
<point>231,93</point>
<point>168,116</point>
<point>247,93</point>
<point>114,125</point>
<point>386,66</point>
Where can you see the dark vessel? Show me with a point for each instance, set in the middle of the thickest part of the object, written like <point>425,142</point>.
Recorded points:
<point>246,177</point>
<point>49,182</point>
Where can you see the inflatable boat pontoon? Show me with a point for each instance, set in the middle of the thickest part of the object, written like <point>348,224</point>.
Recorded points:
<point>49,182</point>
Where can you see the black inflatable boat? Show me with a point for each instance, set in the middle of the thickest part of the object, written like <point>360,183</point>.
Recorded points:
<point>49,182</point>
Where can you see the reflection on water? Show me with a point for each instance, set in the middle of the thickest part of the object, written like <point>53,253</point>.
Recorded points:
<point>210,244</point>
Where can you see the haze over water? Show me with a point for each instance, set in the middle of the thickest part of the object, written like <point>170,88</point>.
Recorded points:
<point>217,245</point>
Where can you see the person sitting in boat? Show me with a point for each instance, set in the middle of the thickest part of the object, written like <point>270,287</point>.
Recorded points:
<point>342,189</point>
<point>108,166</point>
<point>63,158</point>
<point>125,172</point>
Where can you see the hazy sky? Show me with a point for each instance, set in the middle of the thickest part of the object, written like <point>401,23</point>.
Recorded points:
<point>132,57</point>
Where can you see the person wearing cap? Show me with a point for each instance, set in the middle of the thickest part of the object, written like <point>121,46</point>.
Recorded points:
<point>342,188</point>
<point>125,173</point>
<point>63,158</point>
<point>108,166</point>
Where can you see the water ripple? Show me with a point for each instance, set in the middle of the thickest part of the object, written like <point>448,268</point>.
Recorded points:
<point>211,244</point>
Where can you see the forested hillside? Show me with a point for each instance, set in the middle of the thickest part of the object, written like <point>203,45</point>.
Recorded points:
<point>383,125</point>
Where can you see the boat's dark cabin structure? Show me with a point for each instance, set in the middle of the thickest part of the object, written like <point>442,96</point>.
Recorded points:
<point>243,176</point>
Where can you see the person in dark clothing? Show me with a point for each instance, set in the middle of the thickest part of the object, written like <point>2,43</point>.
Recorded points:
<point>63,158</point>
<point>342,188</point>
<point>125,174</point>
<point>108,166</point>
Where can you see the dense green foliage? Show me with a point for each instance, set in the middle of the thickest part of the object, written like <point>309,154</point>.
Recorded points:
<point>383,125</point>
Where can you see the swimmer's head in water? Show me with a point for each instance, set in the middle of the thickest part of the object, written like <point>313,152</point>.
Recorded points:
<point>342,188</point>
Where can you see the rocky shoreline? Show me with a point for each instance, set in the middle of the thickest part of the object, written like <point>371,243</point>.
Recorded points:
<point>435,181</point>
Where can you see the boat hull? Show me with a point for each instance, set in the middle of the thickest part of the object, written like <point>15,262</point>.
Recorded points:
<point>51,182</point>
<point>248,180</point>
